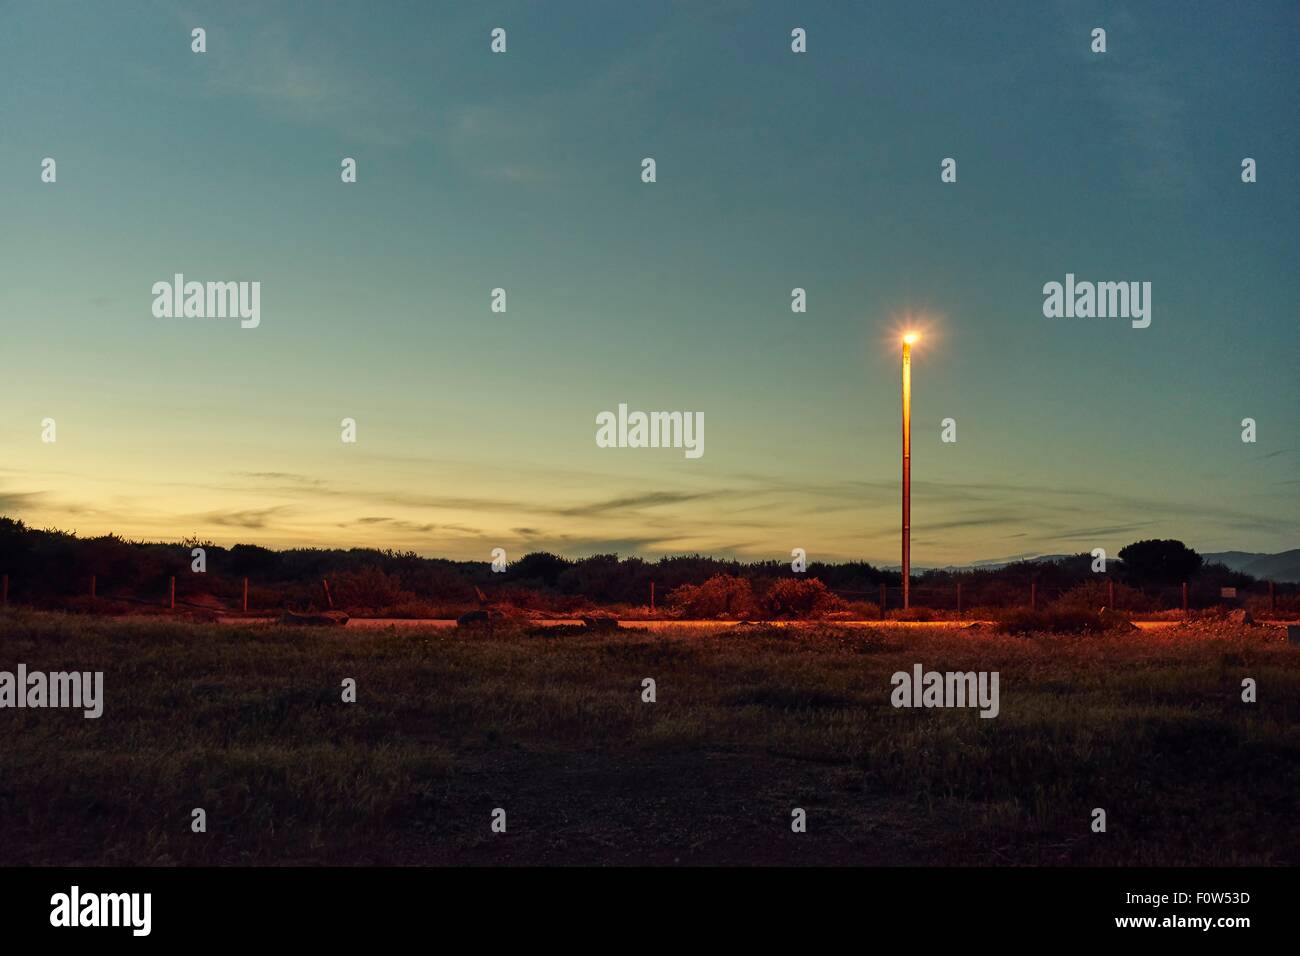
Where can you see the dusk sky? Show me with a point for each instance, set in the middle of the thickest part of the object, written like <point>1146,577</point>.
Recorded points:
<point>775,170</point>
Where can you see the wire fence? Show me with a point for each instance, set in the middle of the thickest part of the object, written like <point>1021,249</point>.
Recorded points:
<point>232,596</point>
<point>1273,597</point>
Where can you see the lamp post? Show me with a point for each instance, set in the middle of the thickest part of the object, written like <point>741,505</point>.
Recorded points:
<point>908,339</point>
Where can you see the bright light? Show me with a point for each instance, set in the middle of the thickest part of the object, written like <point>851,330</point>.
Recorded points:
<point>910,338</point>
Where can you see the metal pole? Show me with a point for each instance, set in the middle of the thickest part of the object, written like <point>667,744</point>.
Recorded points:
<point>1110,595</point>
<point>1184,599</point>
<point>325,583</point>
<point>245,594</point>
<point>884,595</point>
<point>173,590</point>
<point>92,585</point>
<point>958,597</point>
<point>1272,599</point>
<point>1033,595</point>
<point>652,597</point>
<point>907,474</point>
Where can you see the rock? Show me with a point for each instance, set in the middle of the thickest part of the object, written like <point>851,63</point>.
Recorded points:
<point>600,621</point>
<point>315,619</point>
<point>1240,616</point>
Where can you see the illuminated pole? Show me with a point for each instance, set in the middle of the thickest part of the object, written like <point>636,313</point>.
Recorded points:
<point>907,468</point>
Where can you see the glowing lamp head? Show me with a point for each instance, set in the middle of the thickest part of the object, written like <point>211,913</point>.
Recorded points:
<point>910,338</point>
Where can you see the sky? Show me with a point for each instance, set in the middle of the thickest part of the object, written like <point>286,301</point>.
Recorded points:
<point>774,170</point>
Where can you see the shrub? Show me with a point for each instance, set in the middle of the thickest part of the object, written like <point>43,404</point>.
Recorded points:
<point>720,596</point>
<point>800,597</point>
<point>864,610</point>
<point>1259,606</point>
<point>1094,595</point>
<point>914,614</point>
<point>370,588</point>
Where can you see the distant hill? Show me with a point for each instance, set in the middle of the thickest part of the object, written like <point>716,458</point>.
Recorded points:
<point>989,564</point>
<point>1266,567</point>
<point>1284,567</point>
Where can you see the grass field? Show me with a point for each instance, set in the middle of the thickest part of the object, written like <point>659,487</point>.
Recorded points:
<point>248,723</point>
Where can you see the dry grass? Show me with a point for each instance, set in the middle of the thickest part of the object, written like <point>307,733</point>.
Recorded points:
<point>248,723</point>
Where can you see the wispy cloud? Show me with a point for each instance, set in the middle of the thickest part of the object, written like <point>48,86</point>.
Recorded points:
<point>635,502</point>
<point>253,518</point>
<point>16,501</point>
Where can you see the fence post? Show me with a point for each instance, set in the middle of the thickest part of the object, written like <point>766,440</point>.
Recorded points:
<point>1033,595</point>
<point>173,592</point>
<point>329,600</point>
<point>884,596</point>
<point>1184,599</point>
<point>958,597</point>
<point>1110,595</point>
<point>92,585</point>
<point>245,594</point>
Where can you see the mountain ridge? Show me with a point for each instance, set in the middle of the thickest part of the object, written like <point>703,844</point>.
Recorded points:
<point>1283,567</point>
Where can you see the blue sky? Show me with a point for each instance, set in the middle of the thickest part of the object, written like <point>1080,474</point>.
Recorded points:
<point>775,170</point>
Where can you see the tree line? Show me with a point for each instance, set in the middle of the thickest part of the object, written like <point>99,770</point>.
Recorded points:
<point>48,566</point>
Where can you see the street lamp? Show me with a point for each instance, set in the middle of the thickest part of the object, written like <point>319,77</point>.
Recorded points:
<point>908,340</point>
